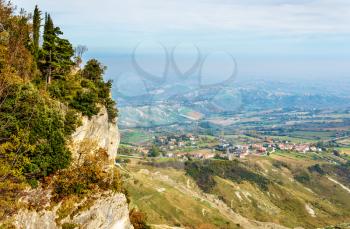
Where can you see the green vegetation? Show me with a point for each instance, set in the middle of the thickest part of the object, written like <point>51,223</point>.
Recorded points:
<point>56,53</point>
<point>35,132</point>
<point>125,150</point>
<point>284,188</point>
<point>154,151</point>
<point>134,137</point>
<point>86,177</point>
<point>302,177</point>
<point>280,164</point>
<point>316,168</point>
<point>84,94</point>
<point>174,206</point>
<point>204,171</point>
<point>36,32</point>
<point>42,93</point>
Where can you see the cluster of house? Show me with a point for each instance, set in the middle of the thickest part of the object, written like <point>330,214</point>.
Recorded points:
<point>301,148</point>
<point>173,144</point>
<point>230,151</point>
<point>175,141</point>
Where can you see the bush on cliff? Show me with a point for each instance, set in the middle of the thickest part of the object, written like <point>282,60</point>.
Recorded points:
<point>87,177</point>
<point>138,219</point>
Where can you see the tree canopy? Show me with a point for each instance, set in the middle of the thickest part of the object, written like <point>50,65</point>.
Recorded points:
<point>56,53</point>
<point>41,98</point>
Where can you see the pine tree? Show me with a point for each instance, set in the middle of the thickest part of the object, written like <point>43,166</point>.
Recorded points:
<point>56,53</point>
<point>36,31</point>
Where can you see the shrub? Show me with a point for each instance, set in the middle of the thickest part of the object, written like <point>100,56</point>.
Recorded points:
<point>71,122</point>
<point>69,226</point>
<point>82,179</point>
<point>112,110</point>
<point>10,189</point>
<point>154,152</point>
<point>138,219</point>
<point>280,164</point>
<point>316,168</point>
<point>125,150</point>
<point>302,177</point>
<point>85,94</point>
<point>86,102</point>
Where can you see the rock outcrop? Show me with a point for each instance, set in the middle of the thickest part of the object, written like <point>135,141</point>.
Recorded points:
<point>97,129</point>
<point>108,210</point>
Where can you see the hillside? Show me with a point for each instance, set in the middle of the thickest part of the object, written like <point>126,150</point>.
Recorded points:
<point>171,105</point>
<point>288,189</point>
<point>58,132</point>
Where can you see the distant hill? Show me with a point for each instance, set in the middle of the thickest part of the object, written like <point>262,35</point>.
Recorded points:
<point>172,103</point>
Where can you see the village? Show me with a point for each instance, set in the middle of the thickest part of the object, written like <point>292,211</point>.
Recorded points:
<point>192,146</point>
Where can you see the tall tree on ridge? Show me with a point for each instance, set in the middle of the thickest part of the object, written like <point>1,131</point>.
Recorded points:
<point>56,54</point>
<point>36,31</point>
<point>46,52</point>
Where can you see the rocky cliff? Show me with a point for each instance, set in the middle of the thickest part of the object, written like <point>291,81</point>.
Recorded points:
<point>103,210</point>
<point>109,211</point>
<point>98,130</point>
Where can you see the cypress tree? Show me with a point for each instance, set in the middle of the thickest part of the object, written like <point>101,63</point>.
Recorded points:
<point>36,31</point>
<point>48,45</point>
<point>49,34</point>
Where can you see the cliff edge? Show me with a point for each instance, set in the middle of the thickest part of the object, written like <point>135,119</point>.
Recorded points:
<point>98,130</point>
<point>106,210</point>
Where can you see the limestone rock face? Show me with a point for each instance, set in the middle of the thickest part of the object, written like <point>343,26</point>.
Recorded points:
<point>107,213</point>
<point>31,219</point>
<point>98,130</point>
<point>110,211</point>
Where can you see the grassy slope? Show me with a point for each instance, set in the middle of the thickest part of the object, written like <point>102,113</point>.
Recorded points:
<point>175,205</point>
<point>287,201</point>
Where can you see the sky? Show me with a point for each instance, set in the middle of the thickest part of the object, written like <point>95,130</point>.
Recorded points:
<point>277,39</point>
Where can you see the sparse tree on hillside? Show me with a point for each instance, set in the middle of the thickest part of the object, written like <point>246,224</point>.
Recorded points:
<point>79,52</point>
<point>154,151</point>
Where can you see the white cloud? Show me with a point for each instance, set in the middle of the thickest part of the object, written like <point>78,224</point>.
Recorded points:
<point>311,35</point>
<point>269,16</point>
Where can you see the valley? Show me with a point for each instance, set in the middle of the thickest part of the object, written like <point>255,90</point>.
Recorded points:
<point>174,114</point>
<point>279,161</point>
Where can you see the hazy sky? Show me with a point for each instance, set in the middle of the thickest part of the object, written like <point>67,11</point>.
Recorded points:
<point>269,38</point>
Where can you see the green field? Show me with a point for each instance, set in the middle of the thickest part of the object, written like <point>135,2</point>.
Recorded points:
<point>134,137</point>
